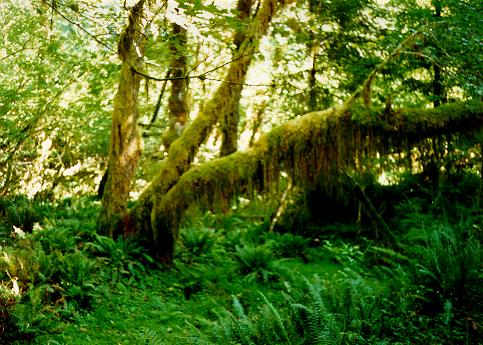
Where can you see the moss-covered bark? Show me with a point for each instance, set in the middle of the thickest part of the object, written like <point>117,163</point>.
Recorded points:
<point>229,120</point>
<point>322,143</point>
<point>183,150</point>
<point>177,102</point>
<point>125,142</point>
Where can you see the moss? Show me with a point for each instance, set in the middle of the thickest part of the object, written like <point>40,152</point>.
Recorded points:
<point>318,145</point>
<point>183,150</point>
<point>125,142</point>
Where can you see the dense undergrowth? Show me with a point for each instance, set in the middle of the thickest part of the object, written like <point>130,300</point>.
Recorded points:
<point>234,282</point>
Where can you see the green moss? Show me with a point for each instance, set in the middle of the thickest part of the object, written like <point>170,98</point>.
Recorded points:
<point>318,146</point>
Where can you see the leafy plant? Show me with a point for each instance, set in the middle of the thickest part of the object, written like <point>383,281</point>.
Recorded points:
<point>78,280</point>
<point>258,263</point>
<point>19,211</point>
<point>7,303</point>
<point>268,327</point>
<point>121,258</point>
<point>288,245</point>
<point>197,242</point>
<point>449,266</point>
<point>56,238</point>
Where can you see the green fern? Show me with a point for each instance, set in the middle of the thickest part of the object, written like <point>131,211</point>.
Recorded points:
<point>279,320</point>
<point>121,258</point>
<point>244,327</point>
<point>288,245</point>
<point>257,263</point>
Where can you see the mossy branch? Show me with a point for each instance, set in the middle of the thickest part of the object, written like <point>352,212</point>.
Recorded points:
<point>365,89</point>
<point>317,144</point>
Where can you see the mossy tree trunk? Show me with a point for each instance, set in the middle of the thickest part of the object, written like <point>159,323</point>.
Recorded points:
<point>320,144</point>
<point>313,46</point>
<point>183,150</point>
<point>125,142</point>
<point>229,122</point>
<point>178,100</point>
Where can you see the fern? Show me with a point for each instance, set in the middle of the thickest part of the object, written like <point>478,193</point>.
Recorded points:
<point>278,318</point>
<point>244,327</point>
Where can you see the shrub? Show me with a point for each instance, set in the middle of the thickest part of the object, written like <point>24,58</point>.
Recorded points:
<point>268,327</point>
<point>77,274</point>
<point>120,258</point>
<point>8,299</point>
<point>449,266</point>
<point>198,241</point>
<point>288,245</point>
<point>257,263</point>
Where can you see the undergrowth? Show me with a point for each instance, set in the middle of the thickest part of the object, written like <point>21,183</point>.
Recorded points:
<point>234,282</point>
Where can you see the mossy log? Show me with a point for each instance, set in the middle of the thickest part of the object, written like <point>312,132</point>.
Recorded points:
<point>318,144</point>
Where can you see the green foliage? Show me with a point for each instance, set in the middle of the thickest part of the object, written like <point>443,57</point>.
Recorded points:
<point>449,266</point>
<point>227,287</point>
<point>288,245</point>
<point>7,303</point>
<point>268,328</point>
<point>257,263</point>
<point>78,280</point>
<point>21,212</point>
<point>198,242</point>
<point>121,258</point>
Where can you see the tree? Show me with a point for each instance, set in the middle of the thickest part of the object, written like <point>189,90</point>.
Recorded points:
<point>229,121</point>
<point>323,143</point>
<point>178,100</point>
<point>184,149</point>
<point>349,57</point>
<point>125,143</point>
<point>54,96</point>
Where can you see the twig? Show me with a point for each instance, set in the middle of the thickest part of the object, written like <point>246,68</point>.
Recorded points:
<point>237,83</point>
<point>81,27</point>
<point>158,104</point>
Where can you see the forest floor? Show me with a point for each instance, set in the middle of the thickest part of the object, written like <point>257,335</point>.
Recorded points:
<point>234,282</point>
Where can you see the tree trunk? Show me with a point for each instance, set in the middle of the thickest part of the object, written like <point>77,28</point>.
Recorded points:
<point>438,90</point>
<point>229,122</point>
<point>183,150</point>
<point>125,143</point>
<point>313,46</point>
<point>177,102</point>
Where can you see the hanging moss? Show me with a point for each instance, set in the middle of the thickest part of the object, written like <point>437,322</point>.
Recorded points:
<point>317,145</point>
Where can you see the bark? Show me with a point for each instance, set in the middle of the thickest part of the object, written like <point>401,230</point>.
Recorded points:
<point>125,142</point>
<point>257,122</point>
<point>177,102</point>
<point>183,150</point>
<point>313,50</point>
<point>229,122</point>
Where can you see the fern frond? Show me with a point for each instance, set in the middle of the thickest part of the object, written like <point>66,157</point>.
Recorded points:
<point>278,318</point>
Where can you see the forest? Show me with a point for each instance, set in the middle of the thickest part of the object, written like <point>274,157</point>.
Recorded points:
<point>245,172</point>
